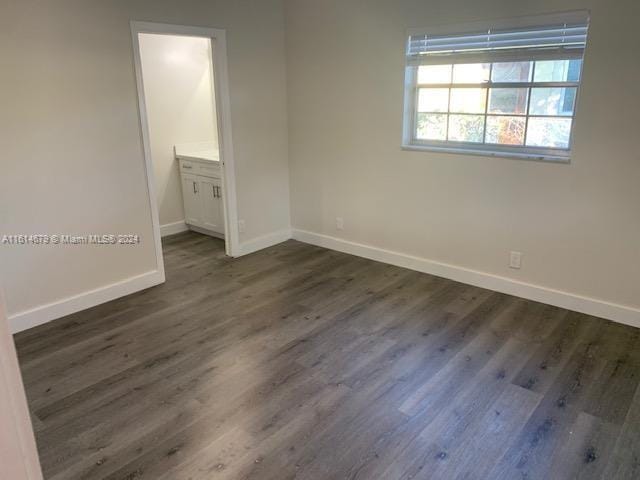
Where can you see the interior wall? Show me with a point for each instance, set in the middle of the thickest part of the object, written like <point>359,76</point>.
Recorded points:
<point>577,224</point>
<point>180,108</point>
<point>71,139</point>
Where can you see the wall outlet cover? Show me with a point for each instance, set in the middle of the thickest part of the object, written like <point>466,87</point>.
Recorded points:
<point>515,260</point>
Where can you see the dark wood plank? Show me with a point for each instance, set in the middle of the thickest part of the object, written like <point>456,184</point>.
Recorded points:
<point>300,362</point>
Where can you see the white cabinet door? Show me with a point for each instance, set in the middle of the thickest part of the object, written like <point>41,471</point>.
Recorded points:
<point>211,198</point>
<point>192,203</point>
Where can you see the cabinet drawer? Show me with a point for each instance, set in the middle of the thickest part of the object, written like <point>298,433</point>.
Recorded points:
<point>209,170</point>
<point>188,167</point>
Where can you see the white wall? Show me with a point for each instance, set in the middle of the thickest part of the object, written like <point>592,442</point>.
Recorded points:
<point>72,159</point>
<point>578,224</point>
<point>180,106</point>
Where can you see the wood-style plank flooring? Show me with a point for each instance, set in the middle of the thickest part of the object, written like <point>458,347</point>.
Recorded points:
<point>300,362</point>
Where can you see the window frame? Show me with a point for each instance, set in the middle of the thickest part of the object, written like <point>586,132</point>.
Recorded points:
<point>410,140</point>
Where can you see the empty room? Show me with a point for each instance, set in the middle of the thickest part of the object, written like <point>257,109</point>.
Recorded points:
<point>319,240</point>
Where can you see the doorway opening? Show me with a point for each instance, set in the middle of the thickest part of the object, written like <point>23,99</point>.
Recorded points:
<point>184,108</point>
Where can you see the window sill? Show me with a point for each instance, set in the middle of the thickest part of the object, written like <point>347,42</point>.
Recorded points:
<point>489,153</point>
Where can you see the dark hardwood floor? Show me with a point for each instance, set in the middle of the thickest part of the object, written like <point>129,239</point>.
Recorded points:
<point>300,362</point>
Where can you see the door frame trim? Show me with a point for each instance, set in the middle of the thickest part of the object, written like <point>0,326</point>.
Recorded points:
<point>19,459</point>
<point>222,108</point>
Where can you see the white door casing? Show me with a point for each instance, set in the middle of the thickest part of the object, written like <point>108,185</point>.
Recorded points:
<point>18,453</point>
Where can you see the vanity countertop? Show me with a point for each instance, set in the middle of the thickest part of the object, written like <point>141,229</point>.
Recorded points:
<point>203,151</point>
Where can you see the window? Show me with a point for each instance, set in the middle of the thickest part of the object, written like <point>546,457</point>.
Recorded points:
<point>496,91</point>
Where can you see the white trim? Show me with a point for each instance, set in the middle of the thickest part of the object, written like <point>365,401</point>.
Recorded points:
<point>39,315</point>
<point>591,306</point>
<point>45,313</point>
<point>173,228</point>
<point>264,241</point>
<point>412,147</point>
<point>225,141</point>
<point>19,455</point>
<point>206,231</point>
<point>148,162</point>
<point>223,111</point>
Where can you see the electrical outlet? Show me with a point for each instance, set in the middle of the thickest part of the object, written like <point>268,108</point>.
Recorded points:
<point>241,226</point>
<point>515,260</point>
<point>340,223</point>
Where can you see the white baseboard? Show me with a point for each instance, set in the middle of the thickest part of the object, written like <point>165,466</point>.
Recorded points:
<point>205,231</point>
<point>570,301</point>
<point>264,241</point>
<point>45,313</point>
<point>617,313</point>
<point>173,228</point>
<point>37,316</point>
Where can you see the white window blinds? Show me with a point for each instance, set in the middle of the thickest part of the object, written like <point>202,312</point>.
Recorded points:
<point>543,42</point>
